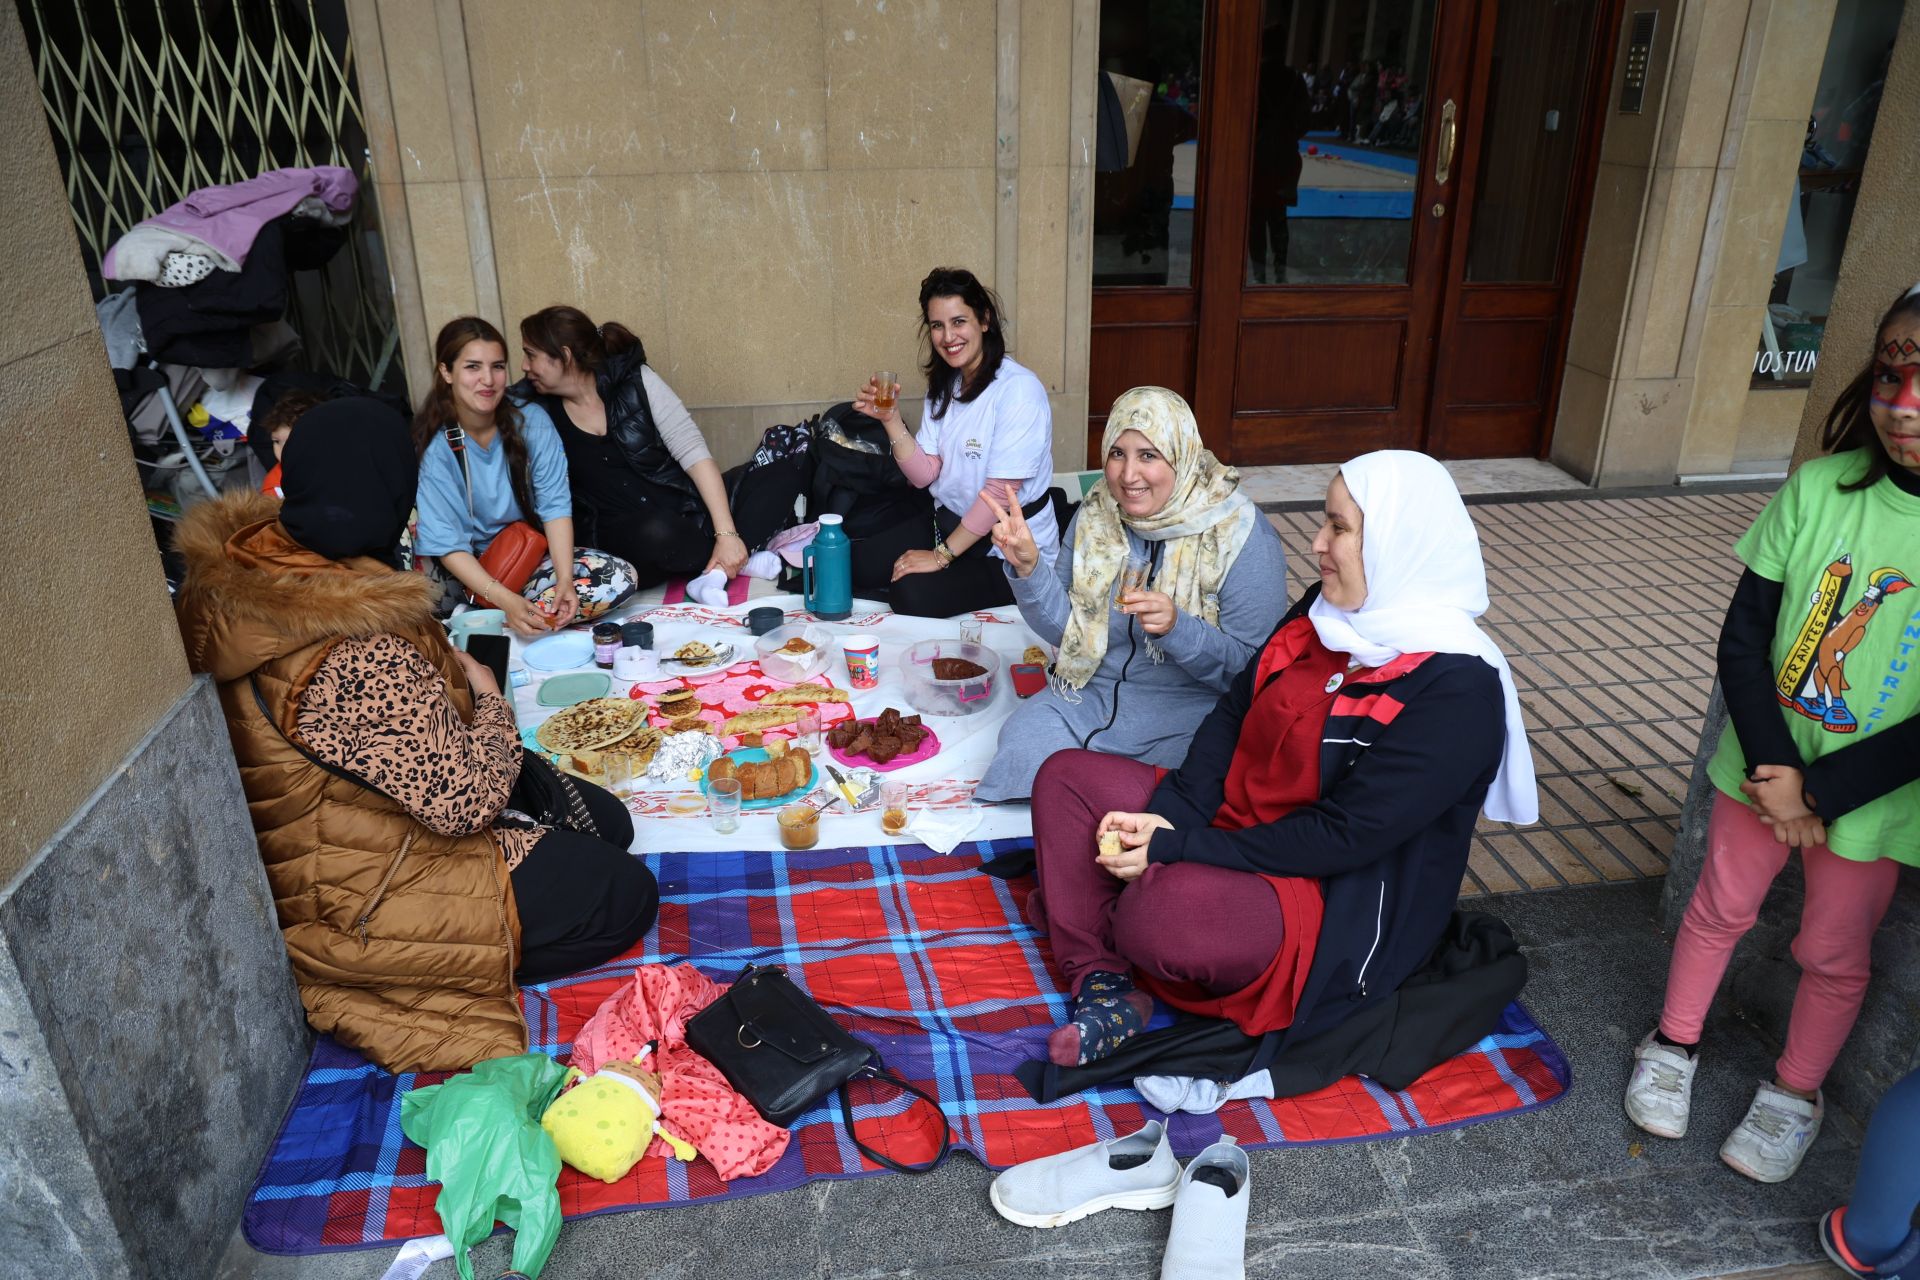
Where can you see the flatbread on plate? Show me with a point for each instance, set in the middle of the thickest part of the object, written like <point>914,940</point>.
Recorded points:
<point>804,693</point>
<point>759,718</point>
<point>586,725</point>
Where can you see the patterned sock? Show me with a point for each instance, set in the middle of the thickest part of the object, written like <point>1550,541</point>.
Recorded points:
<point>1107,1013</point>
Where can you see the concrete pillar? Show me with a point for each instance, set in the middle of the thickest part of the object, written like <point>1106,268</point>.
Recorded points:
<point>1882,256</point>
<point>149,1031</point>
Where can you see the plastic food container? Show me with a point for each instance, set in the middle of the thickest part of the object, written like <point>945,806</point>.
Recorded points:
<point>789,666</point>
<point>936,697</point>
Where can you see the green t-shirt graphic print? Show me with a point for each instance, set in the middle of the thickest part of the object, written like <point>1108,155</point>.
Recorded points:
<point>1846,646</point>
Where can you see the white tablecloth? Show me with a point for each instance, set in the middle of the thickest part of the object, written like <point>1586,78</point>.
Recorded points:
<point>946,781</point>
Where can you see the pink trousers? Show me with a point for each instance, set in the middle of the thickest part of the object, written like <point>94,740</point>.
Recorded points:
<point>1845,903</point>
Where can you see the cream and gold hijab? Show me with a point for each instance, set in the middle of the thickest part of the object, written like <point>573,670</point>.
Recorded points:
<point>1204,524</point>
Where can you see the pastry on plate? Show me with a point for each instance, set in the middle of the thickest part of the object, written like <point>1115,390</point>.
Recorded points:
<point>759,718</point>
<point>802,693</point>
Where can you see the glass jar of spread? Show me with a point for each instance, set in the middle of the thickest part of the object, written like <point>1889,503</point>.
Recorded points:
<point>606,643</point>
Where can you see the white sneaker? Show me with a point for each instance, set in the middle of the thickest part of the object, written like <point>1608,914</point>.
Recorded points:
<point>1208,1240</point>
<point>1769,1144</point>
<point>1137,1171</point>
<point>1660,1091</point>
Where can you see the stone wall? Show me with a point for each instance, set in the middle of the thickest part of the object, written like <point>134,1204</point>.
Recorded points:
<point>92,655</point>
<point>1688,212</point>
<point>756,189</point>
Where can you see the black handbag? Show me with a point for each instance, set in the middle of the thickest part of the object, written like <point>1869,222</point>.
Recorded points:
<point>550,797</point>
<point>782,1052</point>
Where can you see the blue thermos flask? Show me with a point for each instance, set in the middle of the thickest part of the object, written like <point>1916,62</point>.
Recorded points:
<point>826,572</point>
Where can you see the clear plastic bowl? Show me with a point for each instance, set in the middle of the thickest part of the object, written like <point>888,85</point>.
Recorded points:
<point>794,668</point>
<point>936,697</point>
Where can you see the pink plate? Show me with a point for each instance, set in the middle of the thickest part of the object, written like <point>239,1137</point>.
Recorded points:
<point>928,748</point>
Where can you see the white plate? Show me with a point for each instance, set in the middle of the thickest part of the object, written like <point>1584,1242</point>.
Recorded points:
<point>729,656</point>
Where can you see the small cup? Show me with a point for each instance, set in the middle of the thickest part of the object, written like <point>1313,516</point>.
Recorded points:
<point>620,775</point>
<point>636,635</point>
<point>799,826</point>
<point>863,661</point>
<point>764,619</point>
<point>972,630</point>
<point>896,806</point>
<point>1133,578</point>
<point>806,730</point>
<point>885,396</point>
<point>723,803</point>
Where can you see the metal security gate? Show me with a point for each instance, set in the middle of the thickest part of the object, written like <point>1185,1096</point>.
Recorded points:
<point>149,100</point>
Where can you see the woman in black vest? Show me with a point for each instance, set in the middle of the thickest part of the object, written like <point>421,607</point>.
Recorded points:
<point>645,487</point>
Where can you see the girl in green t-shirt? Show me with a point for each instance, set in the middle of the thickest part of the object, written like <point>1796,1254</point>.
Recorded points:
<point>1819,660</point>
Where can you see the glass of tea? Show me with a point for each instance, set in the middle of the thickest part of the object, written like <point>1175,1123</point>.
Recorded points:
<point>806,731</point>
<point>1133,579</point>
<point>896,807</point>
<point>886,393</point>
<point>799,826</point>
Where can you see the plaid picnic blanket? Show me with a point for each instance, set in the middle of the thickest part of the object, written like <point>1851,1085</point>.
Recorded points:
<point>919,954</point>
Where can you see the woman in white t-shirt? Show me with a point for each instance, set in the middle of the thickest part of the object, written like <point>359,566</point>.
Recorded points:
<point>987,428</point>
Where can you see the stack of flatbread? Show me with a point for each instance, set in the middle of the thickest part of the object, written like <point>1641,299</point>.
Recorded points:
<point>586,734</point>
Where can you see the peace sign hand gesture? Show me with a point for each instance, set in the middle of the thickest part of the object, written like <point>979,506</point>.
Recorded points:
<point>1010,532</point>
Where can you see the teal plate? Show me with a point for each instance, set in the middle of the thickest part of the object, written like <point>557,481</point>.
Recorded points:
<point>564,691</point>
<point>754,755</point>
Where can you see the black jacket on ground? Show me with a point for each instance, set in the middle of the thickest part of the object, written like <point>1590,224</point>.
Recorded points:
<point>1444,1007</point>
<point>1405,764</point>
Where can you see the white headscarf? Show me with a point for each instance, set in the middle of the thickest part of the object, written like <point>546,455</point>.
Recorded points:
<point>1425,586</point>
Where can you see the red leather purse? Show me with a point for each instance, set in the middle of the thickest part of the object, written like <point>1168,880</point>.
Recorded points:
<point>517,550</point>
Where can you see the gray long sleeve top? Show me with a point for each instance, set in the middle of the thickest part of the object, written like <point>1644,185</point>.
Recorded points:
<point>1133,706</point>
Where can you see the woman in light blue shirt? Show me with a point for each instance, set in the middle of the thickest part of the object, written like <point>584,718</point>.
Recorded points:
<point>514,465</point>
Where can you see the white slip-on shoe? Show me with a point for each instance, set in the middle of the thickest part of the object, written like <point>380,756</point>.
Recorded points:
<point>1209,1236</point>
<point>1134,1172</point>
<point>1773,1138</point>
<point>1660,1090</point>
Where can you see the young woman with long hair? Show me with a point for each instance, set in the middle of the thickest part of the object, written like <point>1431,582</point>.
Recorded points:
<point>987,428</point>
<point>509,468</point>
<point>645,486</point>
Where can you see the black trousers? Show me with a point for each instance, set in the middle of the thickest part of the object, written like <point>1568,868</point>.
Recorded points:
<point>661,541</point>
<point>582,901</point>
<point>975,580</point>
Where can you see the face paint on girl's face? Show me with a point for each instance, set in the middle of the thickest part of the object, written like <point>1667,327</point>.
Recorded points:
<point>1894,406</point>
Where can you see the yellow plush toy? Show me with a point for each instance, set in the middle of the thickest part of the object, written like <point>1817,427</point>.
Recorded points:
<point>604,1124</point>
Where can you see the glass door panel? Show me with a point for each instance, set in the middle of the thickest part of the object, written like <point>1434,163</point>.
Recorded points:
<point>1146,159</point>
<point>1530,140</point>
<point>1340,114</point>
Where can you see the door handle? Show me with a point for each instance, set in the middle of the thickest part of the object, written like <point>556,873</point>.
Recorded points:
<point>1449,133</point>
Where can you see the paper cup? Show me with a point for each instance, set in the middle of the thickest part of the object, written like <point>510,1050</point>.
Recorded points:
<point>863,661</point>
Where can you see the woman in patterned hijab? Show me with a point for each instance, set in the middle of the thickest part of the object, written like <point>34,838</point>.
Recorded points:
<point>1168,581</point>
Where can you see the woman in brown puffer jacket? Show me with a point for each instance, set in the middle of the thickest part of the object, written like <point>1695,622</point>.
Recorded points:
<point>380,766</point>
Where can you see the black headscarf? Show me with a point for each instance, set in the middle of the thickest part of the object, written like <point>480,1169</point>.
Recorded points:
<point>349,473</point>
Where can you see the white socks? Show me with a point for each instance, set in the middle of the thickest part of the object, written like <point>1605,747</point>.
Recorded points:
<point>710,588</point>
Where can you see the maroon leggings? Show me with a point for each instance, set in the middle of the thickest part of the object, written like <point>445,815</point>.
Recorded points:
<point>1179,921</point>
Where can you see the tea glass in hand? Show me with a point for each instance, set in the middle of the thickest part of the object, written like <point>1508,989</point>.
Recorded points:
<point>723,804</point>
<point>896,807</point>
<point>885,395</point>
<point>1133,580</point>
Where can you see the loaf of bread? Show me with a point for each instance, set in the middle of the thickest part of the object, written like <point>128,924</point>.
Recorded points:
<point>765,779</point>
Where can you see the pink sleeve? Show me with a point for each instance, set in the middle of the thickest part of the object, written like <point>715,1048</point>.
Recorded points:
<point>920,469</point>
<point>979,518</point>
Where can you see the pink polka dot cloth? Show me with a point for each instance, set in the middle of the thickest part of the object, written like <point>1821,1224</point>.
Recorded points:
<point>739,689</point>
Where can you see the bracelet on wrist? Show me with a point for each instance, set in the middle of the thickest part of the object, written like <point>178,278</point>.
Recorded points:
<point>724,533</point>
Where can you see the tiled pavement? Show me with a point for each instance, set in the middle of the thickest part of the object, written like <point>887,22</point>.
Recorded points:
<point>1608,609</point>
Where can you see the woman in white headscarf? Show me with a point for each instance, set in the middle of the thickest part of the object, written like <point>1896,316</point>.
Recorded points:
<point>1136,673</point>
<point>1304,859</point>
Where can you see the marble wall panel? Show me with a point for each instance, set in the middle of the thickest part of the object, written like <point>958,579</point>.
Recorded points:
<point>562,90</point>
<point>738,86</point>
<point>912,85</point>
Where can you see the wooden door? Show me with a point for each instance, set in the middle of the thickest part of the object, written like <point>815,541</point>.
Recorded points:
<point>1292,243</point>
<point>1535,130</point>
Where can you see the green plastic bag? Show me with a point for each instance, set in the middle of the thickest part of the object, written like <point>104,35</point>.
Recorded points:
<point>492,1159</point>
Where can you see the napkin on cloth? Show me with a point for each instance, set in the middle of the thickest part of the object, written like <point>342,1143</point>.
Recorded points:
<point>943,829</point>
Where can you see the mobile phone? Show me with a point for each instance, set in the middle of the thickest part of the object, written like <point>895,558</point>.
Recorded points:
<point>491,652</point>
